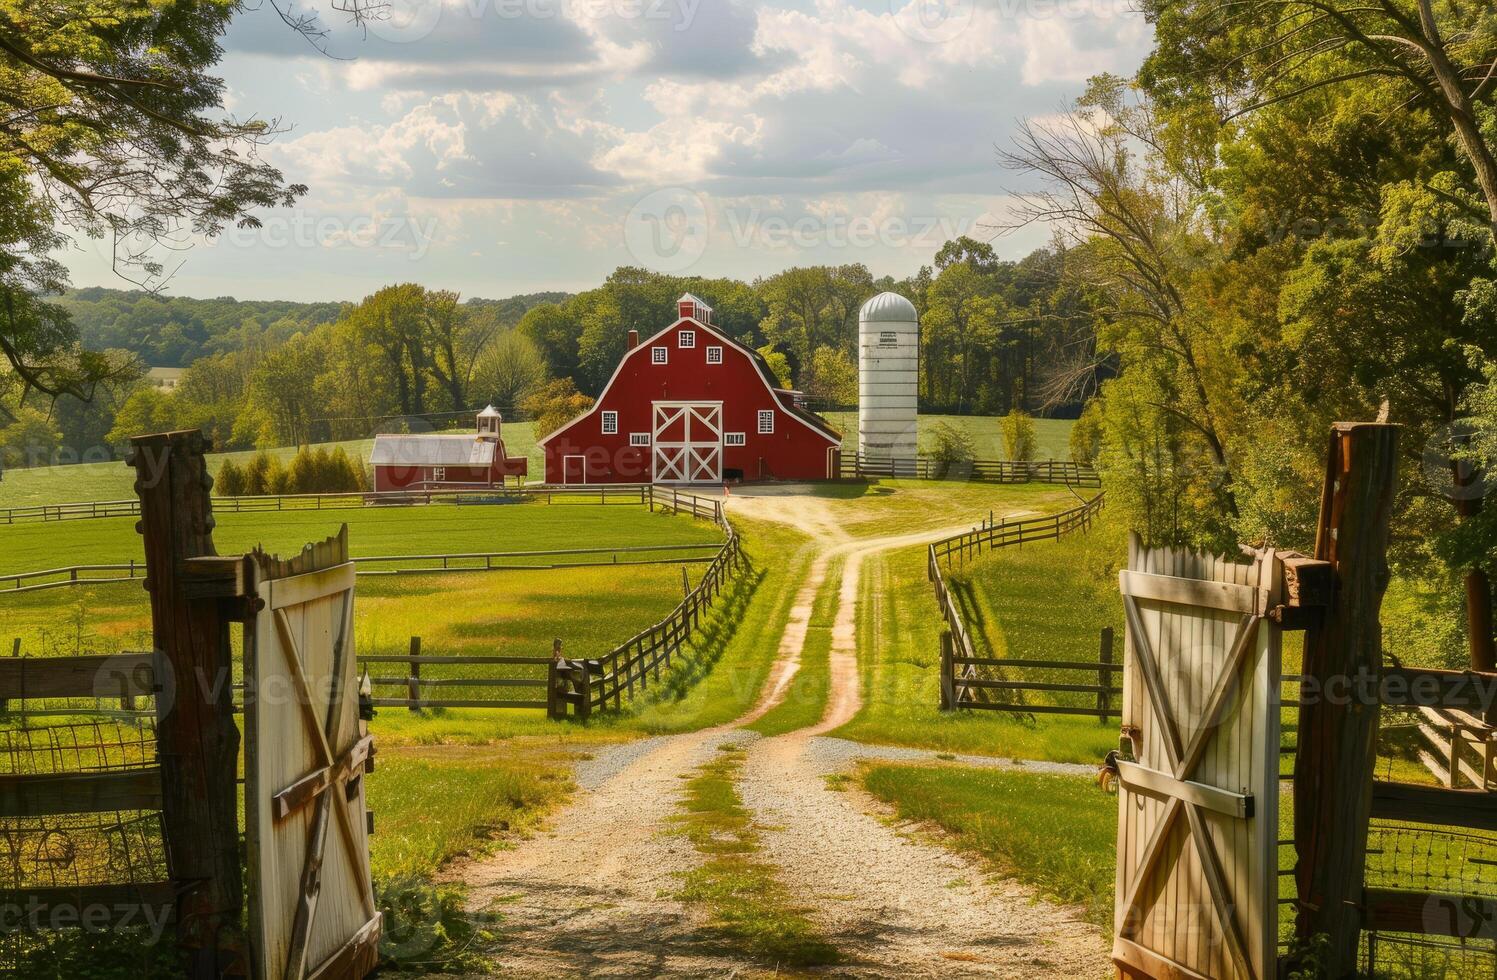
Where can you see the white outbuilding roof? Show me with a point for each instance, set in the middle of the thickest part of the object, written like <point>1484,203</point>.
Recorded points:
<point>888,308</point>
<point>431,450</point>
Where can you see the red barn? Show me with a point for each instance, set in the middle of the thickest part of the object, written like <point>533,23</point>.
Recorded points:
<point>432,461</point>
<point>692,405</point>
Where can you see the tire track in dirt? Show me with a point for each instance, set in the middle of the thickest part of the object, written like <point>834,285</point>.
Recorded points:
<point>594,894</point>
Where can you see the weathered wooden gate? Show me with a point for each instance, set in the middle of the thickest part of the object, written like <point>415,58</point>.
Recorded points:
<point>1197,882</point>
<point>312,909</point>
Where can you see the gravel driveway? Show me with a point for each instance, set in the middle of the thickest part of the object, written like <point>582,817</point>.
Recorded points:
<point>593,895</point>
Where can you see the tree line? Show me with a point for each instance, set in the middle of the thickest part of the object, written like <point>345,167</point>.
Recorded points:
<point>1287,218</point>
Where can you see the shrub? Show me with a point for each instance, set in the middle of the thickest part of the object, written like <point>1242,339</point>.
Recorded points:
<point>1018,435</point>
<point>1086,435</point>
<point>260,473</point>
<point>950,444</point>
<point>302,475</point>
<point>230,482</point>
<point>554,404</point>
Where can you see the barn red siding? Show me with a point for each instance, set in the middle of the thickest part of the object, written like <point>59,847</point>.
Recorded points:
<point>407,477</point>
<point>794,451</point>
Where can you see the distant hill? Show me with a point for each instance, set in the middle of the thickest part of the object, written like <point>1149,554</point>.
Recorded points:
<point>174,331</point>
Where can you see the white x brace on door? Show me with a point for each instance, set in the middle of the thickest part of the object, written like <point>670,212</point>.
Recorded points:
<point>688,441</point>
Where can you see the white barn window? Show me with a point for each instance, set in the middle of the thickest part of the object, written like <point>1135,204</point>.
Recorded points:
<point>438,474</point>
<point>657,355</point>
<point>610,423</point>
<point>735,439</point>
<point>714,355</point>
<point>766,422</point>
<point>688,339</point>
<point>639,438</point>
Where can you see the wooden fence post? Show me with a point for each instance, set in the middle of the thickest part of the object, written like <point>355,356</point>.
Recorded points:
<point>197,740</point>
<point>413,676</point>
<point>1333,764</point>
<point>556,707</point>
<point>585,705</point>
<point>1104,696</point>
<point>948,673</point>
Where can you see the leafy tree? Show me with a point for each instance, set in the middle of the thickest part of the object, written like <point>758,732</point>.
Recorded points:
<point>950,444</point>
<point>113,126</point>
<point>147,410</point>
<point>510,368</point>
<point>1019,441</point>
<point>834,378</point>
<point>31,439</point>
<point>230,481</point>
<point>554,404</point>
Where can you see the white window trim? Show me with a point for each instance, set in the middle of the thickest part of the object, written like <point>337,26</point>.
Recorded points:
<point>439,474</point>
<point>639,438</point>
<point>687,339</point>
<point>766,421</point>
<point>610,423</point>
<point>659,354</point>
<point>714,355</point>
<point>735,439</point>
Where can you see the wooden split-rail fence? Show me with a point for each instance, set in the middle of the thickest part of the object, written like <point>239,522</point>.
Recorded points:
<point>1065,472</point>
<point>630,493</point>
<point>671,554</point>
<point>970,680</point>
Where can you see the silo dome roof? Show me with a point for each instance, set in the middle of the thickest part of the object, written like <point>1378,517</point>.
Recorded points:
<point>888,308</point>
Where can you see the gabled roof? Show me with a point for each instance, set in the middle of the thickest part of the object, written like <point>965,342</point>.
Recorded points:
<point>781,395</point>
<point>431,450</point>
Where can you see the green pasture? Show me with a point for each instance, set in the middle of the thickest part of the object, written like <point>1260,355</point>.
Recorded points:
<point>1055,833</point>
<point>899,631</point>
<point>1052,436</point>
<point>533,525</point>
<point>113,480</point>
<point>717,678</point>
<point>1045,601</point>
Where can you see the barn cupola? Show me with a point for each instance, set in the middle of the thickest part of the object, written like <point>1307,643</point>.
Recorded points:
<point>689,306</point>
<point>488,424</point>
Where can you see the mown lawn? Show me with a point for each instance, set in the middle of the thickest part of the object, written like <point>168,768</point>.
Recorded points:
<point>1055,833</point>
<point>436,529</point>
<point>1052,435</point>
<point>1045,601</point>
<point>899,636</point>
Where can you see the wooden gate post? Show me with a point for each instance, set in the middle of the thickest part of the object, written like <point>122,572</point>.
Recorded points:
<point>197,740</point>
<point>1333,764</point>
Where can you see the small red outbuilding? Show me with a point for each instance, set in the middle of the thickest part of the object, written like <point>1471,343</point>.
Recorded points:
<point>438,461</point>
<point>692,405</point>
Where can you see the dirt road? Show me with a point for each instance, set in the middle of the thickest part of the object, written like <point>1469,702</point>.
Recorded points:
<point>594,894</point>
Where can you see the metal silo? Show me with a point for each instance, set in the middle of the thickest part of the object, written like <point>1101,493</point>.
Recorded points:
<point>888,380</point>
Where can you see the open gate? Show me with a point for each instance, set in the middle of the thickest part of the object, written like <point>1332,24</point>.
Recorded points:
<point>1197,878</point>
<point>312,908</point>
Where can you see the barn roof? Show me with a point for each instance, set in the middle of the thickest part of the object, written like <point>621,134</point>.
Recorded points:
<point>784,396</point>
<point>431,450</point>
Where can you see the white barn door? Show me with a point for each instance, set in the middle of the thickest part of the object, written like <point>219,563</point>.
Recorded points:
<point>688,441</point>
<point>1197,875</point>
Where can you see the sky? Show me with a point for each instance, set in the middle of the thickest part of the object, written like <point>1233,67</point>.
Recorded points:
<point>497,147</point>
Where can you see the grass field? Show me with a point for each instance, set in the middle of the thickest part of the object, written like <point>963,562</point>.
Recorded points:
<point>1056,833</point>
<point>1045,601</point>
<point>114,480</point>
<point>899,629</point>
<point>436,529</point>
